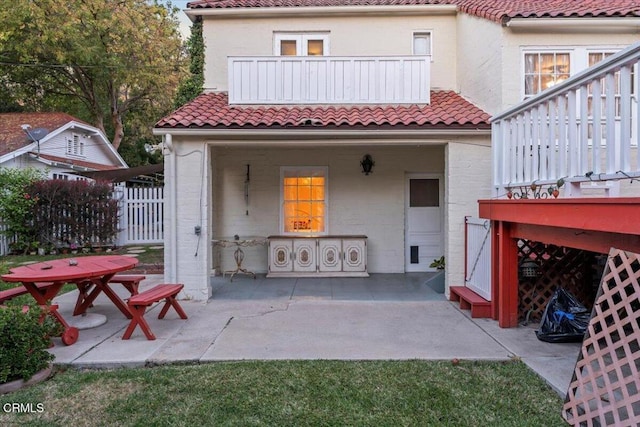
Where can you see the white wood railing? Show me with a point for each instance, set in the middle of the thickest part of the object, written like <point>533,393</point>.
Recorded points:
<point>562,135</point>
<point>329,80</point>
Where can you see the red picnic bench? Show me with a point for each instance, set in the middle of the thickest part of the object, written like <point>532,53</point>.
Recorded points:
<point>12,293</point>
<point>139,303</point>
<point>130,281</point>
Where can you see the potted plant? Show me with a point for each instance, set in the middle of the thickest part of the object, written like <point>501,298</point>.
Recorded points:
<point>25,333</point>
<point>436,282</point>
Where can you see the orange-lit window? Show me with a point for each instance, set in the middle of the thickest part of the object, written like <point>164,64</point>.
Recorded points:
<point>301,44</point>
<point>543,70</point>
<point>304,200</point>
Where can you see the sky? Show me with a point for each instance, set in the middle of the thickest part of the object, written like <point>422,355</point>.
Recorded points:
<point>185,22</point>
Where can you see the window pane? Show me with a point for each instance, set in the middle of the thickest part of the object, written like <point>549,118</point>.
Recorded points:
<point>315,47</point>
<point>288,48</point>
<point>422,44</point>
<point>424,193</point>
<point>304,200</point>
<point>543,70</point>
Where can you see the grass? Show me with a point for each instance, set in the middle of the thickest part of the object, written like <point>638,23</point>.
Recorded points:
<point>294,393</point>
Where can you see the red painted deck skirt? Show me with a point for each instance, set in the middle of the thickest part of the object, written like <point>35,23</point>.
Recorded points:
<point>592,224</point>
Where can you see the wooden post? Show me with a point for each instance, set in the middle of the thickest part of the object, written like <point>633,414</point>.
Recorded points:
<point>507,266</point>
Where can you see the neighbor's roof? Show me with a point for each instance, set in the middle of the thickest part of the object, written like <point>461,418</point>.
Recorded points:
<point>78,162</point>
<point>494,10</point>
<point>12,137</point>
<point>212,110</point>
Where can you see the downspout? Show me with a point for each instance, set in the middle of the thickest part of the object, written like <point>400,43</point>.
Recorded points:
<point>173,206</point>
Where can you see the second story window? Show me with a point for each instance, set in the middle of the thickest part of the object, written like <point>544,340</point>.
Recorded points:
<point>543,70</point>
<point>301,44</point>
<point>422,43</point>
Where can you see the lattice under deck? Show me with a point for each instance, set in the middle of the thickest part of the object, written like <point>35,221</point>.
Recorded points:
<point>558,267</point>
<point>605,388</point>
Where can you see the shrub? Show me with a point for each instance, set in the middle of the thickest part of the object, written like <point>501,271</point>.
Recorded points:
<point>24,339</point>
<point>74,212</point>
<point>16,205</point>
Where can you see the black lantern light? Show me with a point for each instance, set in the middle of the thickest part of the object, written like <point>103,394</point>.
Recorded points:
<point>367,164</point>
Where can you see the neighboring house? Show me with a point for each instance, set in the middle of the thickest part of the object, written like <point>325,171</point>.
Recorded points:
<point>300,96</point>
<point>55,142</point>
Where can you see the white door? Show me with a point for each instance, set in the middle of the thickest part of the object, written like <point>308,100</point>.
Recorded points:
<point>424,237</point>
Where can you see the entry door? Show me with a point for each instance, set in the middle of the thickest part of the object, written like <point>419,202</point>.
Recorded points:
<point>424,237</point>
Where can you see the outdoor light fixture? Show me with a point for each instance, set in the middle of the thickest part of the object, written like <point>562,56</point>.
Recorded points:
<point>529,269</point>
<point>367,164</point>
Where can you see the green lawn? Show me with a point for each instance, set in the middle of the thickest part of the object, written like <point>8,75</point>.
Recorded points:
<point>299,393</point>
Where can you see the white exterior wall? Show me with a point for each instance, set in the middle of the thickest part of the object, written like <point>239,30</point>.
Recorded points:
<point>468,180</point>
<point>348,36</point>
<point>187,197</point>
<point>480,63</point>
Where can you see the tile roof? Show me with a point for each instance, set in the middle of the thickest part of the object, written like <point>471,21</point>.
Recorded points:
<point>228,4</point>
<point>212,110</point>
<point>504,10</point>
<point>12,137</point>
<point>494,10</point>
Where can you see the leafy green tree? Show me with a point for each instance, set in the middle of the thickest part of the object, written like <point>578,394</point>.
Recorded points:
<point>192,85</point>
<point>111,56</point>
<point>16,203</point>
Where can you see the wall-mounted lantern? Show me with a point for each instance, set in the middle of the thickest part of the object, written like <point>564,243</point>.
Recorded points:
<point>367,164</point>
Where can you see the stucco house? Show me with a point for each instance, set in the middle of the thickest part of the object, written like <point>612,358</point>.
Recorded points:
<point>55,142</point>
<point>357,132</point>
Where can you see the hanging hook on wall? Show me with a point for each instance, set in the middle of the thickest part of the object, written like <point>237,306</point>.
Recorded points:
<point>246,189</point>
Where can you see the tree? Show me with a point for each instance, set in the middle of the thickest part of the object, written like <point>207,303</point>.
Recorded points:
<point>113,56</point>
<point>192,85</point>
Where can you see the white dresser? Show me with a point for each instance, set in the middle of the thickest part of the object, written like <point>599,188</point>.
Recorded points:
<point>320,256</point>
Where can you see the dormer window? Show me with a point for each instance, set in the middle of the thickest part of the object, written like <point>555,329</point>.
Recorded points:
<point>301,44</point>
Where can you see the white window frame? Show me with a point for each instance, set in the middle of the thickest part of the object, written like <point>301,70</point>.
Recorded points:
<point>533,51</point>
<point>578,58</point>
<point>419,33</point>
<point>301,40</point>
<point>75,145</point>
<point>306,170</point>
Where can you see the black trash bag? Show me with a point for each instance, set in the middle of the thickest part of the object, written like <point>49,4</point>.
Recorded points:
<point>564,319</point>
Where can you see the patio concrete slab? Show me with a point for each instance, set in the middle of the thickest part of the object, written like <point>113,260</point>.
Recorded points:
<point>387,316</point>
<point>355,331</point>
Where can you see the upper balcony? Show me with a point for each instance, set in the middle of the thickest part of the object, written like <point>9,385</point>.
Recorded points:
<point>329,80</point>
<point>582,132</point>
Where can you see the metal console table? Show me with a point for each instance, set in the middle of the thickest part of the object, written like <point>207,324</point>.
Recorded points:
<point>238,255</point>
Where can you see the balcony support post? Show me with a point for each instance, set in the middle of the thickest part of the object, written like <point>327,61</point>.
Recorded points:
<point>505,271</point>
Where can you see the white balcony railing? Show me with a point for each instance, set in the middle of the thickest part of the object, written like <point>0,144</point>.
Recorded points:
<point>563,134</point>
<point>329,80</point>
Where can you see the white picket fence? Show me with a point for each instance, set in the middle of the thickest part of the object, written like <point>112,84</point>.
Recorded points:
<point>478,247</point>
<point>141,217</point>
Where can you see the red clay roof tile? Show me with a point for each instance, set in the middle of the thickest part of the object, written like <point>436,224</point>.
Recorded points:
<point>494,10</point>
<point>212,110</point>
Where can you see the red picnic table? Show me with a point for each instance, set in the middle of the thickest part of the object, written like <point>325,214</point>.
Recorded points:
<point>44,280</point>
